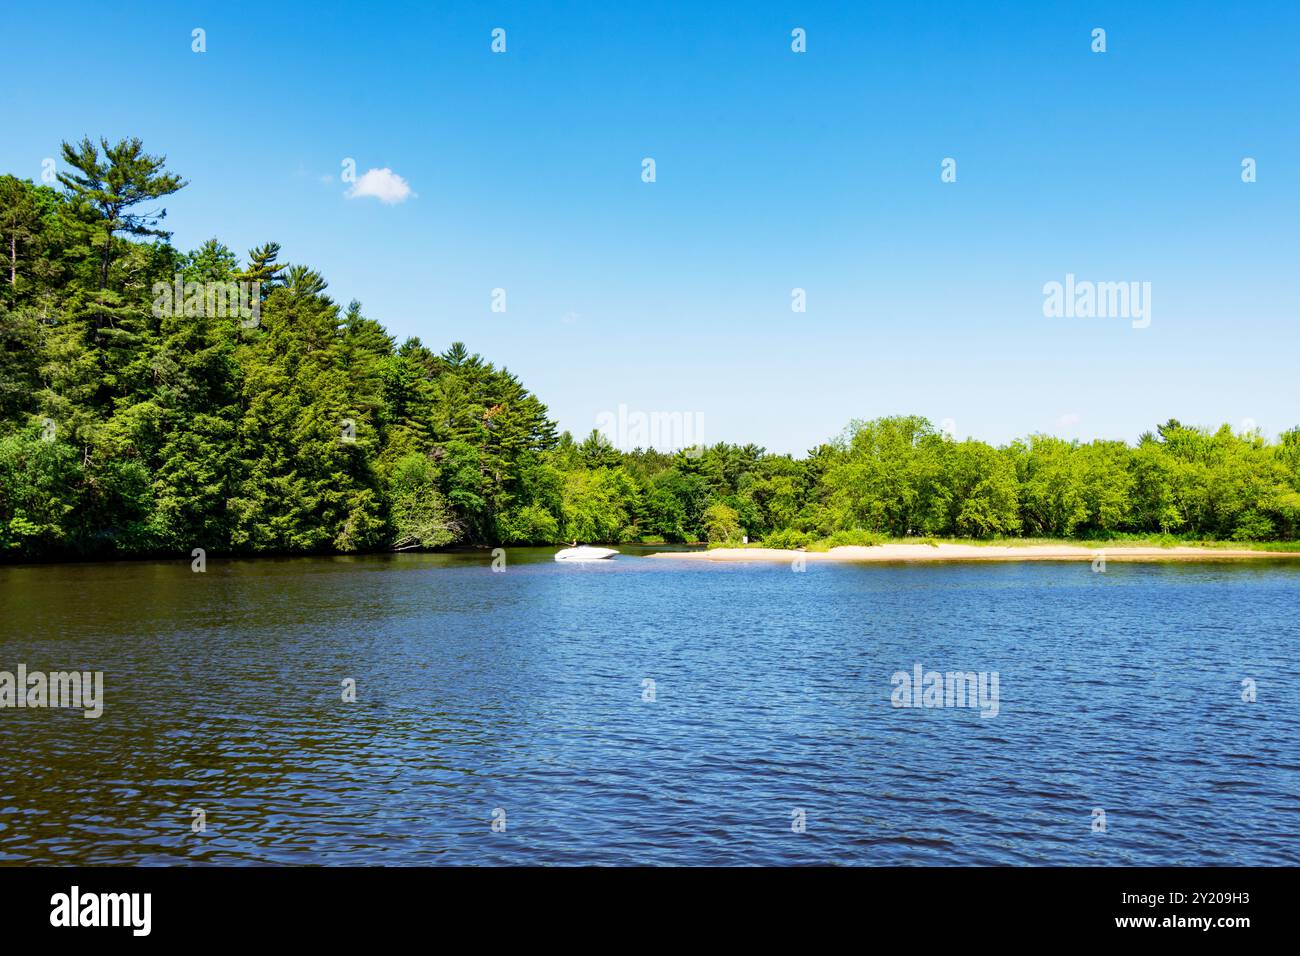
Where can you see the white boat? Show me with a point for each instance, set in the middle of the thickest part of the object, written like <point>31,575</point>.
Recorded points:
<point>584,553</point>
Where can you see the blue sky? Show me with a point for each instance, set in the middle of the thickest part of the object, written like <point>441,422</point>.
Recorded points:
<point>775,170</point>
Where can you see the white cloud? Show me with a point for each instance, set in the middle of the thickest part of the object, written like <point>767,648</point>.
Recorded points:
<point>1068,420</point>
<point>382,184</point>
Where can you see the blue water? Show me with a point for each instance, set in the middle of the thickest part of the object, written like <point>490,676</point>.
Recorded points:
<point>523,692</point>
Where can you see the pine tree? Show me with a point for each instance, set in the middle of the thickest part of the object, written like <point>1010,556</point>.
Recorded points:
<point>263,268</point>
<point>114,186</point>
<point>19,224</point>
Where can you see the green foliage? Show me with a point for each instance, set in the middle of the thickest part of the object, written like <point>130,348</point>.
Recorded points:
<point>855,537</point>
<point>595,506</point>
<point>419,513</point>
<point>531,524</point>
<point>39,491</point>
<point>788,539</point>
<point>721,524</point>
<point>124,431</point>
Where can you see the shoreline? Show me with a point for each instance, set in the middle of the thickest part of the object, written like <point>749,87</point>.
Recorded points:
<point>914,553</point>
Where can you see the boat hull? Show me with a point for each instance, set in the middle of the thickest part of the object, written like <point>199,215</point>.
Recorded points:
<point>585,554</point>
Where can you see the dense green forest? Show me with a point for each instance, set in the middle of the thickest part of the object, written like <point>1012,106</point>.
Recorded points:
<point>245,411</point>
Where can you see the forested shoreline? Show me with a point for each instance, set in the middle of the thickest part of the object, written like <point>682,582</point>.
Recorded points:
<point>153,401</point>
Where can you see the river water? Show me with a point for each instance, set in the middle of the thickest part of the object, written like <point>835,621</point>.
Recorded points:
<point>653,711</point>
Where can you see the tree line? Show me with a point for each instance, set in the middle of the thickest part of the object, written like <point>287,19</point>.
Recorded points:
<point>143,412</point>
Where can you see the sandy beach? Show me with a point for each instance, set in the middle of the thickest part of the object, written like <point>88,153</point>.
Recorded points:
<point>971,552</point>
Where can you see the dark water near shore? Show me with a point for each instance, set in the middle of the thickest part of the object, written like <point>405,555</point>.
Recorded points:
<point>523,691</point>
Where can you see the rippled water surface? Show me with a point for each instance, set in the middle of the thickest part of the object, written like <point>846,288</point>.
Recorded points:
<point>523,692</point>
